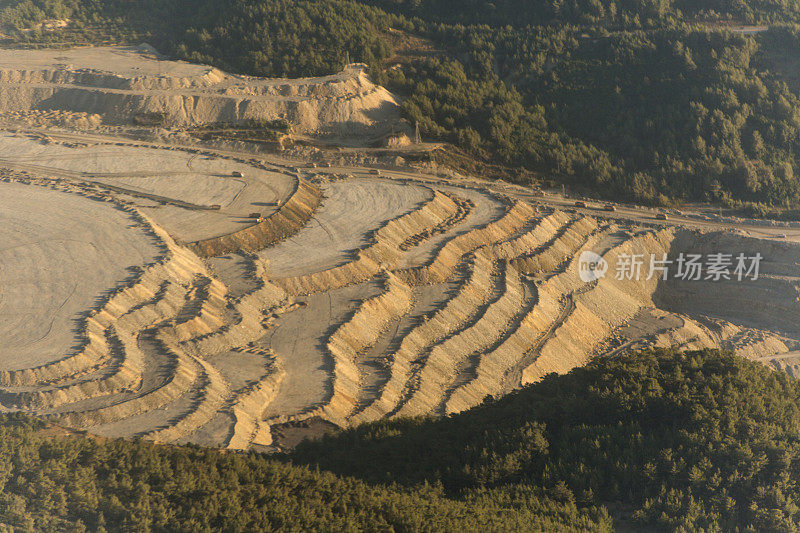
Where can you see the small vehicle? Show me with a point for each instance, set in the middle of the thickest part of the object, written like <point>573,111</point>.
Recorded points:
<point>609,207</point>
<point>661,216</point>
<point>579,203</point>
<point>254,215</point>
<point>216,206</point>
<point>375,172</point>
<point>325,165</point>
<point>237,174</point>
<point>312,165</point>
<point>780,236</point>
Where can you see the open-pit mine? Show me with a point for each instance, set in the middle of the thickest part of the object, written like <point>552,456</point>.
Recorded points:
<point>179,291</point>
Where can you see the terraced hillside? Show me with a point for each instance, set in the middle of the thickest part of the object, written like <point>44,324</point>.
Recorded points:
<point>84,87</point>
<point>229,298</point>
<point>355,297</point>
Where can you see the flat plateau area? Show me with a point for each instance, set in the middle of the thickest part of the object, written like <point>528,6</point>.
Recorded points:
<point>130,62</point>
<point>58,254</point>
<point>158,172</point>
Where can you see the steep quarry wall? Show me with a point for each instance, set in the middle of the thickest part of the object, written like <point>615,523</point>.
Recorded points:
<point>385,250</point>
<point>120,84</point>
<point>432,308</point>
<point>592,310</point>
<point>770,302</point>
<point>285,222</point>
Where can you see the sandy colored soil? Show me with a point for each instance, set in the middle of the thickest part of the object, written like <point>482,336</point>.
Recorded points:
<point>353,299</point>
<point>59,253</point>
<point>300,336</point>
<point>128,62</point>
<point>486,209</point>
<point>122,84</point>
<point>459,305</point>
<point>193,178</point>
<point>350,212</point>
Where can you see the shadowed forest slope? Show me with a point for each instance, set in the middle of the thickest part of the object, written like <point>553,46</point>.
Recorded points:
<point>701,440</point>
<point>682,441</point>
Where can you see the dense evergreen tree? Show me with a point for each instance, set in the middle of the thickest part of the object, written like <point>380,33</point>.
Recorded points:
<point>702,441</point>
<point>62,483</point>
<point>688,442</point>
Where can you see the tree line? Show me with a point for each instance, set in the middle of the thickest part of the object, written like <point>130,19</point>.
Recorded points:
<point>696,441</point>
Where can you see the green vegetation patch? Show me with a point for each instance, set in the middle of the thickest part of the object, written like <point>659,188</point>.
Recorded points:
<point>652,101</point>
<point>687,442</point>
<point>701,441</point>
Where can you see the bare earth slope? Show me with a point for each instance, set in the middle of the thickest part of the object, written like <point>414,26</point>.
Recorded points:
<point>122,83</point>
<point>138,297</point>
<point>59,254</point>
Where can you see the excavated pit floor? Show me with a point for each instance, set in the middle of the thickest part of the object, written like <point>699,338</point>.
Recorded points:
<point>59,254</point>
<point>174,174</point>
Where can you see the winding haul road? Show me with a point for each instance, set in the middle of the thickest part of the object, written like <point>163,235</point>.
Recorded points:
<point>623,213</point>
<point>297,337</point>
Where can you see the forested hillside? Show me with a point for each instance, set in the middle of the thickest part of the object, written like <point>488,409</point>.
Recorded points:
<point>657,101</point>
<point>58,483</point>
<point>704,441</point>
<point>655,440</point>
<point>604,13</point>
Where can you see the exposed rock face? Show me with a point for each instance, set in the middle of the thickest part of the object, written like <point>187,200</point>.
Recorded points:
<point>127,84</point>
<point>771,302</point>
<point>286,221</point>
